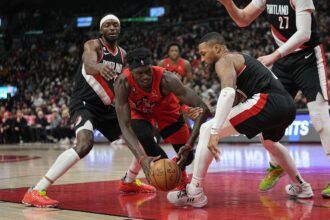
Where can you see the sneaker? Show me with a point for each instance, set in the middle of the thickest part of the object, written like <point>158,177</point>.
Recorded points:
<point>195,199</point>
<point>135,187</point>
<point>302,191</point>
<point>38,199</point>
<point>272,177</point>
<point>326,191</point>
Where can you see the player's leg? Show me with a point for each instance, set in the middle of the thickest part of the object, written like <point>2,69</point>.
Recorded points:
<point>282,70</point>
<point>36,196</point>
<point>144,131</point>
<point>176,132</point>
<point>311,75</point>
<point>299,187</point>
<point>194,193</point>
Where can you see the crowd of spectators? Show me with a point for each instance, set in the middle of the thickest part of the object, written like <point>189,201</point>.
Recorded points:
<point>42,67</point>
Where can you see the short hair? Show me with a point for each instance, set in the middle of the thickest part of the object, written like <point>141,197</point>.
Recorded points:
<point>173,44</point>
<point>138,57</point>
<point>213,37</point>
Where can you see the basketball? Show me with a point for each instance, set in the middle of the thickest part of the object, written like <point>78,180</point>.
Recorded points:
<point>165,175</point>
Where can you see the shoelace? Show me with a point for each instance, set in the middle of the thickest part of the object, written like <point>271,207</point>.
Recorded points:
<point>138,182</point>
<point>295,189</point>
<point>182,194</point>
<point>43,194</point>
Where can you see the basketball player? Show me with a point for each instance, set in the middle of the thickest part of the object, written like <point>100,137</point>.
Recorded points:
<point>268,110</point>
<point>175,64</point>
<point>182,68</point>
<point>146,95</point>
<point>91,107</point>
<point>299,62</point>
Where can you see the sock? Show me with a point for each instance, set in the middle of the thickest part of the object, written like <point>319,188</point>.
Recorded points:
<point>282,156</point>
<point>63,163</point>
<point>273,163</point>
<point>133,171</point>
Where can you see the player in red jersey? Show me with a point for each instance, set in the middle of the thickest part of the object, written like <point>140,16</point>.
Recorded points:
<point>146,95</point>
<point>175,64</point>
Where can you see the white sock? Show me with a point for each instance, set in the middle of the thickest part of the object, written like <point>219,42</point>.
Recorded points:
<point>63,163</point>
<point>273,160</point>
<point>282,156</point>
<point>133,171</point>
<point>203,156</point>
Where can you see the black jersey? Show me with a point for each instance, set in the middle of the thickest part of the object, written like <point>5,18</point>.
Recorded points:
<point>282,17</point>
<point>94,90</point>
<point>255,78</point>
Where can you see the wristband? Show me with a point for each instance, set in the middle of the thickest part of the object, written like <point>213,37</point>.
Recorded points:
<point>214,131</point>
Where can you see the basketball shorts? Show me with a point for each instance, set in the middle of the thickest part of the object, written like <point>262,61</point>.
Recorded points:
<point>305,70</point>
<point>269,114</point>
<point>104,121</point>
<point>172,127</point>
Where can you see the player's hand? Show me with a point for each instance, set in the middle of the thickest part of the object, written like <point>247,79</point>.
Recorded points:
<point>270,59</point>
<point>107,72</point>
<point>183,155</point>
<point>146,164</point>
<point>213,146</point>
<point>194,112</point>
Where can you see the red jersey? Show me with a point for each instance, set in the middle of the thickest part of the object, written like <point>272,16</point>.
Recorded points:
<point>153,103</point>
<point>179,68</point>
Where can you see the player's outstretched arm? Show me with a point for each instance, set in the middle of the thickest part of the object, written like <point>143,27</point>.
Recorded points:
<point>171,83</point>
<point>122,91</point>
<point>244,17</point>
<point>92,51</point>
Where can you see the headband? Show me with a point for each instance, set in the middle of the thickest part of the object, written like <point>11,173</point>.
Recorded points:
<point>107,17</point>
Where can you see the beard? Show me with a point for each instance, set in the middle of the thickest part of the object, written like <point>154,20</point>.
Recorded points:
<point>111,39</point>
<point>209,68</point>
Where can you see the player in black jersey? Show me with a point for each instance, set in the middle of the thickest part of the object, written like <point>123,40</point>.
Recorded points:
<point>299,62</point>
<point>268,111</point>
<point>91,107</point>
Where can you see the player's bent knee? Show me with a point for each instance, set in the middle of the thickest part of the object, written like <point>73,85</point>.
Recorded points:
<point>85,142</point>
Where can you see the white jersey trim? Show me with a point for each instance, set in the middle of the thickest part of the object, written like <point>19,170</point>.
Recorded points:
<point>96,86</point>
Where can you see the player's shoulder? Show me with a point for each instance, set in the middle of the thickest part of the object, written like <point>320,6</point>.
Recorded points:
<point>123,50</point>
<point>92,43</point>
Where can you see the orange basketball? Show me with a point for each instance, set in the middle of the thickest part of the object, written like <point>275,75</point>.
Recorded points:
<point>165,175</point>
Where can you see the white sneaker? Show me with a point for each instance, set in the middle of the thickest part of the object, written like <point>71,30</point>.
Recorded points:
<point>302,191</point>
<point>193,197</point>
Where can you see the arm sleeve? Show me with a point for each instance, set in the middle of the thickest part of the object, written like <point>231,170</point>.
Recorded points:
<point>303,5</point>
<point>224,105</point>
<point>302,35</point>
<point>261,4</point>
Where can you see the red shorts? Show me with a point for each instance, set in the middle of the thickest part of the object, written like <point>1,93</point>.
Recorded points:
<point>172,127</point>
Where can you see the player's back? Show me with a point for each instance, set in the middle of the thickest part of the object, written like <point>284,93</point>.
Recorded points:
<point>256,78</point>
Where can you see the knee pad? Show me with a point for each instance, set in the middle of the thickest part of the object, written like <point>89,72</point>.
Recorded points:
<point>319,114</point>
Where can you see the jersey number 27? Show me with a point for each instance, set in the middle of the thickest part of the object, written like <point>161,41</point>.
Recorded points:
<point>284,22</point>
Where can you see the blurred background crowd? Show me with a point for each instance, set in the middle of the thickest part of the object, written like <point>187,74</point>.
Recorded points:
<point>41,48</point>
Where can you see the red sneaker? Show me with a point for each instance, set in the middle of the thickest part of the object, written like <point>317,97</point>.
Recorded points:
<point>135,187</point>
<point>38,199</point>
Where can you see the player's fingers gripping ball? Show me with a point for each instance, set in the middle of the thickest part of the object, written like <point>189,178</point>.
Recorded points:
<point>165,175</point>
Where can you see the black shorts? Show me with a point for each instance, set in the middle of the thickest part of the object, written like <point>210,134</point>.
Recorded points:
<point>305,70</point>
<point>104,121</point>
<point>269,114</point>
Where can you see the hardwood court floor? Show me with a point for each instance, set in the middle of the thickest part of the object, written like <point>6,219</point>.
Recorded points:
<point>89,189</point>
